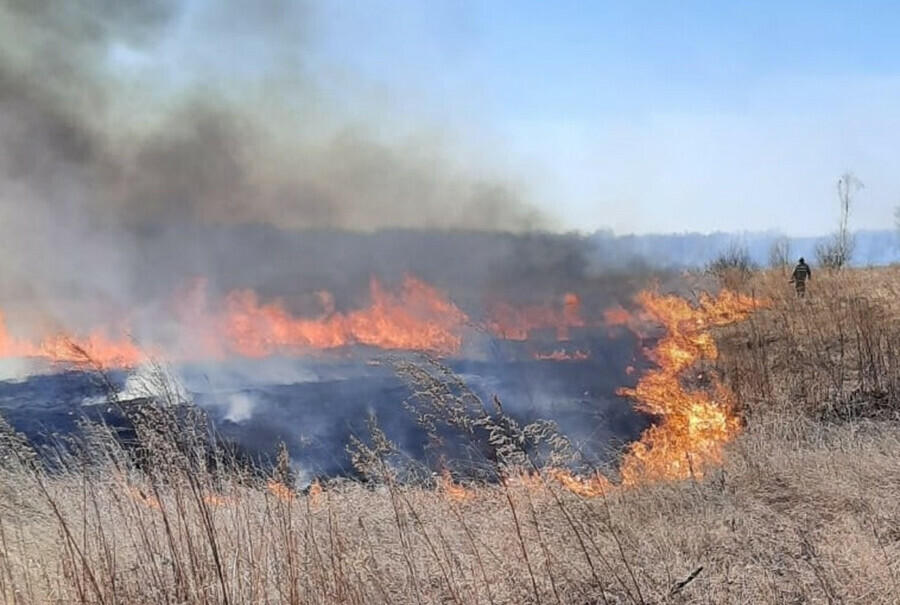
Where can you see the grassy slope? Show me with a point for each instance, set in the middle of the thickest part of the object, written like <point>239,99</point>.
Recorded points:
<point>806,508</point>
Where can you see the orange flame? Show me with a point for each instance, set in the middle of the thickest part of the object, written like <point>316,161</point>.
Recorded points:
<point>454,491</point>
<point>635,321</point>
<point>280,490</point>
<point>152,502</point>
<point>520,477</point>
<point>315,493</point>
<point>217,500</point>
<point>13,347</point>
<point>694,425</point>
<point>588,487</point>
<point>517,323</point>
<point>617,316</point>
<point>421,318</point>
<point>96,348</point>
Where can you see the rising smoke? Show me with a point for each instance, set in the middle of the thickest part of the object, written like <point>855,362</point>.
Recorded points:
<point>130,128</point>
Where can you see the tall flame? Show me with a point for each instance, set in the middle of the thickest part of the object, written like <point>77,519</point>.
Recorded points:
<point>693,425</point>
<point>96,348</point>
<point>452,490</point>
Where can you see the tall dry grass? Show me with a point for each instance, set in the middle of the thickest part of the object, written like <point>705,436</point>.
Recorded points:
<point>806,508</point>
<point>833,354</point>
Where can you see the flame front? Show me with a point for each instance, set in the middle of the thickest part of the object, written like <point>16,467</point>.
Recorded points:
<point>588,487</point>
<point>420,318</point>
<point>97,348</point>
<point>417,318</point>
<point>693,426</point>
<point>280,490</point>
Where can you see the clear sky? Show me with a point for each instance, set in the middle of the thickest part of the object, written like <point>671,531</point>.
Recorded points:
<point>649,116</point>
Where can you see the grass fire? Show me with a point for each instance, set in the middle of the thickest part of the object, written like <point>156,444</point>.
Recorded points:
<point>364,303</point>
<point>730,451</point>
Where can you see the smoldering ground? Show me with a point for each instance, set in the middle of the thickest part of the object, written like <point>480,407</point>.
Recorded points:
<point>317,407</point>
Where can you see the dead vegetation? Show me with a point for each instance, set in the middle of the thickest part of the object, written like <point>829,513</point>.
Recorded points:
<point>831,355</point>
<point>805,509</point>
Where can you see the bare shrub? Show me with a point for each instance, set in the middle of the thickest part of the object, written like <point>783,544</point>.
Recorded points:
<point>780,256</point>
<point>836,251</point>
<point>733,267</point>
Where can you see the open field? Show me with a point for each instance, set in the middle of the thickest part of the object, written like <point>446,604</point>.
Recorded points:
<point>804,509</point>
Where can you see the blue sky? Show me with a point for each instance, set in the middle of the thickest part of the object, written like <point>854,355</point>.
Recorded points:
<point>650,116</point>
<point>636,116</point>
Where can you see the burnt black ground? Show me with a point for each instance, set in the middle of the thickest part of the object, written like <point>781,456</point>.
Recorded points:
<point>315,405</point>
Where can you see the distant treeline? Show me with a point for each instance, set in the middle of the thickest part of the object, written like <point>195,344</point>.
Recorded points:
<point>690,250</point>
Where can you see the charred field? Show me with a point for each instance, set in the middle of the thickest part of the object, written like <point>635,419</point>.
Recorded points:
<point>764,471</point>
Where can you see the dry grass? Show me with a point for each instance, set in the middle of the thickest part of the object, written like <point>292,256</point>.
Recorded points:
<point>806,508</point>
<point>831,355</point>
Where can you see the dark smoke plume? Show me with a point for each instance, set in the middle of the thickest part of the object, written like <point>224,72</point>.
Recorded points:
<point>120,119</point>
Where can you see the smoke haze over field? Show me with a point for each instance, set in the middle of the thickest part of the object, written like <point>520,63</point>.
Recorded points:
<point>144,143</point>
<point>115,133</point>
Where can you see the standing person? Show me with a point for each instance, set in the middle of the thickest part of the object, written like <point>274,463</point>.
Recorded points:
<point>801,273</point>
